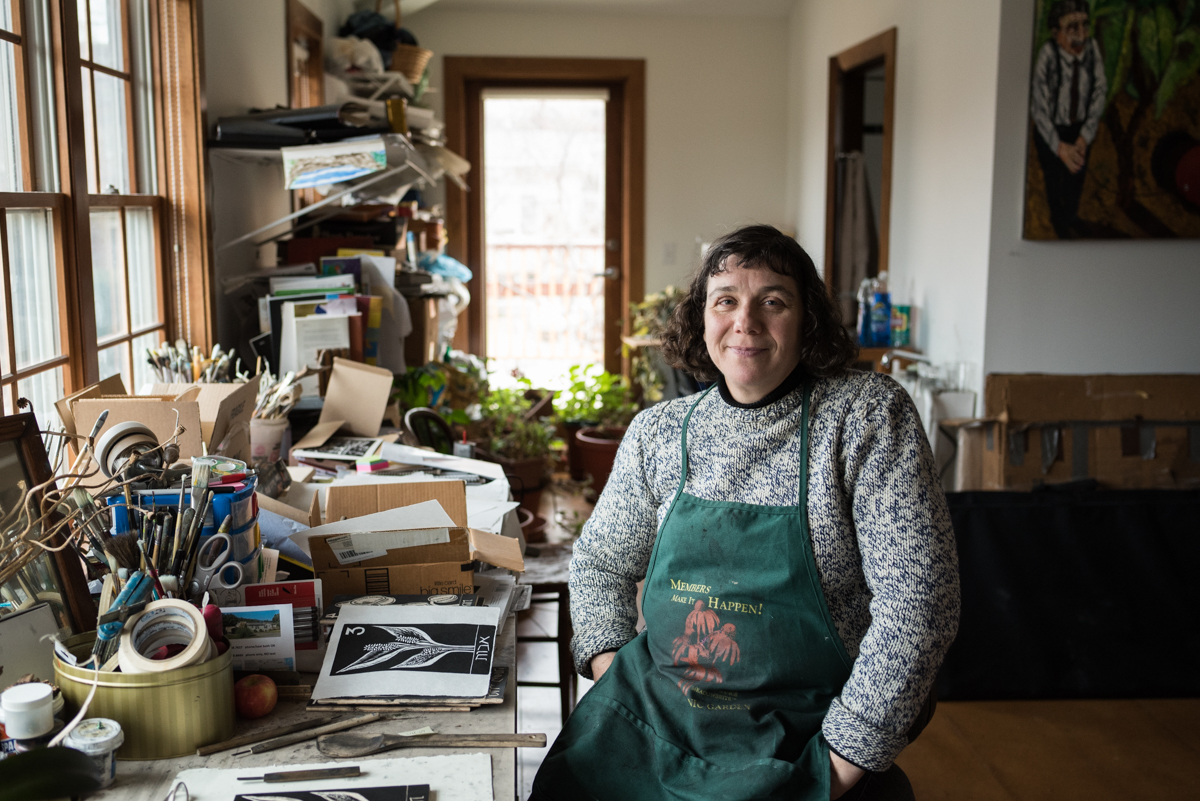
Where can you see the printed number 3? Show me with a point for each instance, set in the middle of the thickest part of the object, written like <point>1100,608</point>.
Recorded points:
<point>355,630</point>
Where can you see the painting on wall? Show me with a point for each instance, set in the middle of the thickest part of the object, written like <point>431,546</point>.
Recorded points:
<point>1114,132</point>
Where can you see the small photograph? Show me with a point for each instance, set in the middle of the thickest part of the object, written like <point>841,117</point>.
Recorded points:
<point>416,792</point>
<point>248,624</point>
<point>355,447</point>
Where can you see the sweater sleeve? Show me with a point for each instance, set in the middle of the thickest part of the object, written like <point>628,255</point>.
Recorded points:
<point>910,564</point>
<point>613,551</point>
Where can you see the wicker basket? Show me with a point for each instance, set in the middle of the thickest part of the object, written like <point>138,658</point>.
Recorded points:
<point>408,59</point>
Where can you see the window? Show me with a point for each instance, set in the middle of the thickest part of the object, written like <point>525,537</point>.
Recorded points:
<point>94,232</point>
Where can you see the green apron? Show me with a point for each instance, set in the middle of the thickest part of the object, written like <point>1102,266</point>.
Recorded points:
<point>723,694</point>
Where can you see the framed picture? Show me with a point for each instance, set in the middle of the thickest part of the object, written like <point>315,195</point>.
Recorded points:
<point>55,578</point>
<point>1114,130</point>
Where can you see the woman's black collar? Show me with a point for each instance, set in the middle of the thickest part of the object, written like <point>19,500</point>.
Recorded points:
<point>794,379</point>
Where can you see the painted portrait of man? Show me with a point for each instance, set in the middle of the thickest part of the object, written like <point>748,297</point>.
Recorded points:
<point>1114,120</point>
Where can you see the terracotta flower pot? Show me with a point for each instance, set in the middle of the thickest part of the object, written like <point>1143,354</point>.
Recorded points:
<point>526,478</point>
<point>574,465</point>
<point>597,449</point>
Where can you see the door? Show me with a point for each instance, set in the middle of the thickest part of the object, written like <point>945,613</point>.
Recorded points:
<point>553,232</point>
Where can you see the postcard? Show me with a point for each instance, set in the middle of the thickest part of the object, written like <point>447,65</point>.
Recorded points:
<point>260,637</point>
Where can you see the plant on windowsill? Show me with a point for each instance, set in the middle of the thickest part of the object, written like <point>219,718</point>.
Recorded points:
<point>647,320</point>
<point>594,410</point>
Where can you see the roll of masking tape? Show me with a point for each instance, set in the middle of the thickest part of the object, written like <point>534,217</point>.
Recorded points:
<point>165,622</point>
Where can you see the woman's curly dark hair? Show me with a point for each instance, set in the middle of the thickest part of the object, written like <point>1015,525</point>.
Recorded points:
<point>826,347</point>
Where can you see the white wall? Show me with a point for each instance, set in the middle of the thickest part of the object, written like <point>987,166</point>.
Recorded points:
<point>1076,307</point>
<point>246,66</point>
<point>715,109</point>
<point>942,151</point>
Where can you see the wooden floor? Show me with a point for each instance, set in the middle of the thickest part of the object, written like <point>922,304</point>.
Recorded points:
<point>1058,751</point>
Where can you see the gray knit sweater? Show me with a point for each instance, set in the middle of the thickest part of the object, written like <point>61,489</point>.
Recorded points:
<point>878,520</point>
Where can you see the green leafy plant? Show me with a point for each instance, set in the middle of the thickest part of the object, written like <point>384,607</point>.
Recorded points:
<point>507,430</point>
<point>648,320</point>
<point>595,397</point>
<point>419,386</point>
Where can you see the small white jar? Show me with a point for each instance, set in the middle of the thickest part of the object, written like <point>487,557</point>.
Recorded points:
<point>99,738</point>
<point>28,710</point>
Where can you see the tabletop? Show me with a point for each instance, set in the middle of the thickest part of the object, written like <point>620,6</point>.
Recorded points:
<point>151,780</point>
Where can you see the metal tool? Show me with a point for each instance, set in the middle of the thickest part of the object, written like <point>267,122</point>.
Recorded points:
<point>358,745</point>
<point>348,772</point>
<point>214,566</point>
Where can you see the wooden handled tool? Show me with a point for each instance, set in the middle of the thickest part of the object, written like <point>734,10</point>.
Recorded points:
<point>299,737</point>
<point>357,745</point>
<point>258,737</point>
<point>348,772</point>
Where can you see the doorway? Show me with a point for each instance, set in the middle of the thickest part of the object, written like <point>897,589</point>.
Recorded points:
<point>544,219</point>
<point>859,167</point>
<point>552,283</point>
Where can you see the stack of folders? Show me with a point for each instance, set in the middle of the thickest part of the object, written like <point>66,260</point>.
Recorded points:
<point>334,310</point>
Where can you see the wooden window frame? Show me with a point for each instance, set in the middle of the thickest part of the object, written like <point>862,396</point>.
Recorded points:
<point>464,79</point>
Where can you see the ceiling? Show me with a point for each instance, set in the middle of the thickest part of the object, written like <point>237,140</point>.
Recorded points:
<point>774,9</point>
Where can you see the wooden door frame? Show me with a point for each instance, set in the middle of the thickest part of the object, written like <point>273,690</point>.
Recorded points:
<point>464,79</point>
<point>877,48</point>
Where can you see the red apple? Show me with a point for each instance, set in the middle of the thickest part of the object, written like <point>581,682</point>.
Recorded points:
<point>255,696</point>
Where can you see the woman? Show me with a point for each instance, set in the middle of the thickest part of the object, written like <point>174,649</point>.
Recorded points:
<point>801,580</point>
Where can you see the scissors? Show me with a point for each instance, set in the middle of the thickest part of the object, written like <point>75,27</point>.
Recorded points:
<point>214,568</point>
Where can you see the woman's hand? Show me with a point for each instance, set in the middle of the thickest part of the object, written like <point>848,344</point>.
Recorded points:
<point>600,663</point>
<point>842,774</point>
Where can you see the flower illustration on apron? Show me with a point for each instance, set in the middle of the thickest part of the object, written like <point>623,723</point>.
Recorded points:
<point>703,644</point>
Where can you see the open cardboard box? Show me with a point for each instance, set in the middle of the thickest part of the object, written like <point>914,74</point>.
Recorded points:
<point>207,412</point>
<point>428,550</point>
<point>355,400</point>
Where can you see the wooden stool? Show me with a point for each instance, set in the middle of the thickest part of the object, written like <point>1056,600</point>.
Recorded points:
<point>546,573</point>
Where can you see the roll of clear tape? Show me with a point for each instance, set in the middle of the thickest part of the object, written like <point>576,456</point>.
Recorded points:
<point>166,622</point>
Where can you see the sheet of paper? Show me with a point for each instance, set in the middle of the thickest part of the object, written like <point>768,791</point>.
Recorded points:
<point>488,514</point>
<point>260,637</point>
<point>466,777</point>
<point>288,283</point>
<point>426,515</point>
<point>431,651</point>
<point>315,333</point>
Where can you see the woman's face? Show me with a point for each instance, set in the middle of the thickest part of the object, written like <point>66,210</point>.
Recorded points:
<point>752,328</point>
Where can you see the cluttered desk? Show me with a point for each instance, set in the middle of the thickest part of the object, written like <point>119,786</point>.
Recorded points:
<point>351,636</point>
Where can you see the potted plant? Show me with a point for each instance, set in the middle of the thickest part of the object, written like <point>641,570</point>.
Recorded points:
<point>594,409</point>
<point>648,319</point>
<point>519,442</point>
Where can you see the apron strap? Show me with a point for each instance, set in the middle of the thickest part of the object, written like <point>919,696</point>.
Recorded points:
<point>803,501</point>
<point>683,470</point>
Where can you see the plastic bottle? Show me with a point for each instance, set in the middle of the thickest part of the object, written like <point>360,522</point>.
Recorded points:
<point>864,312</point>
<point>881,312</point>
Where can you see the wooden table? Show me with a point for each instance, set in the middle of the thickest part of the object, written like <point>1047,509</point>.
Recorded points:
<point>151,780</point>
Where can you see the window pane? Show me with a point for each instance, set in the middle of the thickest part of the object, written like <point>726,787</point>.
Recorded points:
<point>10,138</point>
<point>146,151</point>
<point>143,272</point>
<point>43,111</point>
<point>42,390</point>
<point>34,286</point>
<point>115,361</point>
<point>142,374</point>
<point>106,34</point>
<point>112,134</point>
<point>6,17</point>
<point>108,273</point>
<point>84,51</point>
<point>89,132</point>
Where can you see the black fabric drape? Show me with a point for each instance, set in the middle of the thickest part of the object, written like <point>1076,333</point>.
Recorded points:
<point>1076,594</point>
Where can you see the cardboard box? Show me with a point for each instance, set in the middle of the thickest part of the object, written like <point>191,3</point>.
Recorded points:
<point>355,400</point>
<point>420,347</point>
<point>208,412</point>
<point>1125,431</point>
<point>432,559</point>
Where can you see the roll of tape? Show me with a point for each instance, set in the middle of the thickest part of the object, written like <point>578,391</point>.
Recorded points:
<point>165,622</point>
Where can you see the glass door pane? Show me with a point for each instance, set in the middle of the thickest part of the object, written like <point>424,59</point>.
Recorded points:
<point>544,181</point>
